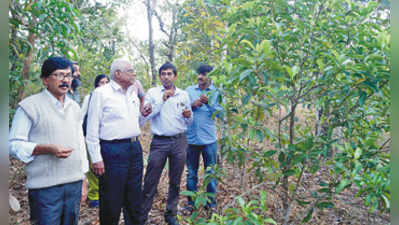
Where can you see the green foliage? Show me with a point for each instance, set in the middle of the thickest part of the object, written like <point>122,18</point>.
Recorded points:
<point>80,31</point>
<point>327,60</point>
<point>251,213</point>
<point>50,27</point>
<point>305,86</point>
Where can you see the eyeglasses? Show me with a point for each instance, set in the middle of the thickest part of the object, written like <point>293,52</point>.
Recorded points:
<point>62,76</point>
<point>128,71</point>
<point>166,73</point>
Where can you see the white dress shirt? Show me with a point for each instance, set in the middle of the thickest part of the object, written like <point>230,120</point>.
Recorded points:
<point>166,116</point>
<point>85,106</point>
<point>112,114</point>
<point>137,87</point>
<point>19,145</point>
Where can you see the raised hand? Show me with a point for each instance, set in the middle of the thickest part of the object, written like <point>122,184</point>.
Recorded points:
<point>204,99</point>
<point>197,103</point>
<point>186,113</point>
<point>168,93</point>
<point>146,110</point>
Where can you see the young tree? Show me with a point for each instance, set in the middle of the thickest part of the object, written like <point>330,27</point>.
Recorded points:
<point>290,58</point>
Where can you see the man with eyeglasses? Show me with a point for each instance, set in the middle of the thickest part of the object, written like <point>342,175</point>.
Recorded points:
<point>171,113</point>
<point>112,140</point>
<point>47,135</point>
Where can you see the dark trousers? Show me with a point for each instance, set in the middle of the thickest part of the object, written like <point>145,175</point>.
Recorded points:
<point>209,155</point>
<point>56,205</point>
<point>173,149</point>
<point>120,185</point>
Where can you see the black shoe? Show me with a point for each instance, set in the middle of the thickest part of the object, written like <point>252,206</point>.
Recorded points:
<point>171,220</point>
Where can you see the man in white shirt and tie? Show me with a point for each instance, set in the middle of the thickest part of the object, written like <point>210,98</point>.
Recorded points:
<point>171,113</point>
<point>116,155</point>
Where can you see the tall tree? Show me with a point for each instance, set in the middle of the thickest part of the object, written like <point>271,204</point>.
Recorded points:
<point>171,30</point>
<point>149,5</point>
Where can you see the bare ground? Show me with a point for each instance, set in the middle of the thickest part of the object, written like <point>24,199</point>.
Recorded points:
<point>348,209</point>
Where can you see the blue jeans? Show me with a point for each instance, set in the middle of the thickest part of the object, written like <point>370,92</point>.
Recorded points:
<point>58,204</point>
<point>209,155</point>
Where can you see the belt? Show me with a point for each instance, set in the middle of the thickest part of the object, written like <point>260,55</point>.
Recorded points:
<point>169,137</point>
<point>125,140</point>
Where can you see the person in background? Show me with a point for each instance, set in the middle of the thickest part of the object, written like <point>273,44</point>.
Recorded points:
<point>46,134</point>
<point>140,92</point>
<point>201,134</point>
<point>92,195</point>
<point>115,152</point>
<point>171,113</point>
<point>99,81</point>
<point>73,91</point>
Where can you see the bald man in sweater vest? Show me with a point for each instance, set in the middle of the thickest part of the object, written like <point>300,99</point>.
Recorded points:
<point>46,134</point>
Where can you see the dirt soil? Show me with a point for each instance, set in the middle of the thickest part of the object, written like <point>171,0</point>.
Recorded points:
<point>348,211</point>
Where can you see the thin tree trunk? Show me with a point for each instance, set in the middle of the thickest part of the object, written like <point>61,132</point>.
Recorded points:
<point>28,60</point>
<point>286,195</point>
<point>151,42</point>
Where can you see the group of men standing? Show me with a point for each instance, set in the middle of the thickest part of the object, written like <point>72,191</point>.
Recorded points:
<point>47,135</point>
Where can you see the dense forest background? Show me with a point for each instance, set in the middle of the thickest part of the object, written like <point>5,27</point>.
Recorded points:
<point>305,136</point>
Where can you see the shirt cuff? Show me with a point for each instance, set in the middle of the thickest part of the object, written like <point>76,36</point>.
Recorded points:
<point>23,150</point>
<point>94,152</point>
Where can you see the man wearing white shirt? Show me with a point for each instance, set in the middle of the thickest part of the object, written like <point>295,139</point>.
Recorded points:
<point>115,153</point>
<point>171,113</point>
<point>46,134</point>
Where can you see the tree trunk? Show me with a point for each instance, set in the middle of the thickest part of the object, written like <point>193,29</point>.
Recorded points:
<point>286,194</point>
<point>151,43</point>
<point>28,60</point>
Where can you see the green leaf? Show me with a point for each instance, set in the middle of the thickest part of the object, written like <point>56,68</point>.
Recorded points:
<point>358,153</point>
<point>188,193</point>
<point>289,172</point>
<point>245,74</point>
<point>245,99</point>
<point>270,220</point>
<point>259,135</point>
<point>323,184</point>
<point>362,98</point>
<point>265,47</point>
<point>308,216</point>
<point>324,190</point>
<point>302,203</point>
<point>323,205</point>
<point>248,43</point>
<point>342,185</point>
<point>269,153</point>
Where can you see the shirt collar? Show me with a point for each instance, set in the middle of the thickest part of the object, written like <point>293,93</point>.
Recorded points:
<point>177,90</point>
<point>67,100</point>
<point>211,87</point>
<point>118,87</point>
<point>115,85</point>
